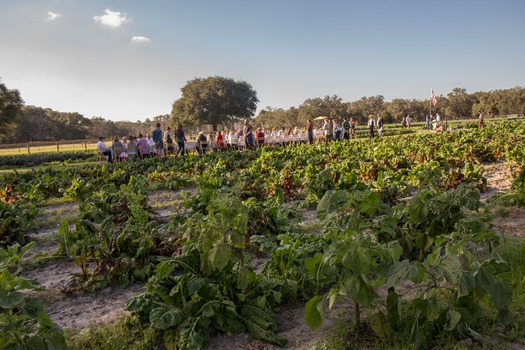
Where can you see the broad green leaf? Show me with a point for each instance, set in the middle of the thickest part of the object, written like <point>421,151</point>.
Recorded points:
<point>332,296</point>
<point>312,264</point>
<point>6,280</point>
<point>371,203</point>
<point>450,268</point>
<point>195,283</point>
<point>220,256</point>
<point>55,339</point>
<point>164,269</point>
<point>139,303</point>
<point>501,293</point>
<point>331,202</point>
<point>25,283</point>
<point>432,309</point>
<point>206,267</point>
<point>418,211</point>
<point>45,320</point>
<point>485,279</point>
<point>467,283</point>
<point>357,260</point>
<point>393,306</point>
<point>10,299</point>
<point>314,312</point>
<point>32,307</point>
<point>379,324</point>
<point>163,318</point>
<point>360,291</point>
<point>243,279</point>
<point>260,325</point>
<point>424,241</point>
<point>35,343</point>
<point>405,270</point>
<point>453,318</point>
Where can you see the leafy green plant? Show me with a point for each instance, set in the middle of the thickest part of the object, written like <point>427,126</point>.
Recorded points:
<point>23,323</point>
<point>12,256</point>
<point>66,240</point>
<point>287,261</point>
<point>216,290</point>
<point>449,287</point>
<point>431,213</point>
<point>16,221</point>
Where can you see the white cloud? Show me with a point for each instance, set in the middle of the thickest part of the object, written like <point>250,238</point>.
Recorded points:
<point>140,40</point>
<point>51,16</point>
<point>112,19</point>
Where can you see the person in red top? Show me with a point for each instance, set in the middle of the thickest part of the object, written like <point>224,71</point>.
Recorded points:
<point>481,121</point>
<point>259,135</point>
<point>220,140</point>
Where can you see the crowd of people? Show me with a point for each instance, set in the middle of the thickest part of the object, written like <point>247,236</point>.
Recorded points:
<point>160,144</point>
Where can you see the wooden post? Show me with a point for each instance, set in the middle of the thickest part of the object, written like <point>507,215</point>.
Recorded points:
<point>58,148</point>
<point>28,149</point>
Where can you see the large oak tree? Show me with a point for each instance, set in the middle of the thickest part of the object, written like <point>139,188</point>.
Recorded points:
<point>214,100</point>
<point>10,105</point>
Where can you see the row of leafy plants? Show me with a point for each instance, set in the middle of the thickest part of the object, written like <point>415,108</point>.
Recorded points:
<point>30,160</point>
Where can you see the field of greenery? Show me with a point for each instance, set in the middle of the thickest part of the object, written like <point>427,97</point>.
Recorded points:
<point>402,240</point>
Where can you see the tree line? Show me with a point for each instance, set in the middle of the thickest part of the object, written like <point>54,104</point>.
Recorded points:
<point>458,104</point>
<point>219,102</point>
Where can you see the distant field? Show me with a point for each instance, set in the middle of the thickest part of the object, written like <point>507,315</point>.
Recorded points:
<point>47,147</point>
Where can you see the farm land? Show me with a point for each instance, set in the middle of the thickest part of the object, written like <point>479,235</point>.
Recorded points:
<point>406,241</point>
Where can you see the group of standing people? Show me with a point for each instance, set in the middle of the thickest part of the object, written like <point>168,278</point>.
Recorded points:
<point>333,130</point>
<point>164,142</point>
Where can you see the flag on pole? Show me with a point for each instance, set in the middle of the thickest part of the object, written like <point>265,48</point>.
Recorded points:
<point>433,97</point>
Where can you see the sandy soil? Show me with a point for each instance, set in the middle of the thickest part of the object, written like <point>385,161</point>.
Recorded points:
<point>79,311</point>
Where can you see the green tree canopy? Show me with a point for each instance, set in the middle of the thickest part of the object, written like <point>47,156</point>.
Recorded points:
<point>10,105</point>
<point>459,104</point>
<point>328,106</point>
<point>214,100</point>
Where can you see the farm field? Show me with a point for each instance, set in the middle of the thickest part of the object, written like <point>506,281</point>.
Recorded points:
<point>408,241</point>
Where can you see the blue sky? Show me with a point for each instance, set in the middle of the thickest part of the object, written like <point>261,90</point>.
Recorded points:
<point>128,59</point>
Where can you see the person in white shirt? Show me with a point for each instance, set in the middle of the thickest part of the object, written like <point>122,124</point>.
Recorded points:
<point>151,145</point>
<point>408,121</point>
<point>371,124</point>
<point>232,139</point>
<point>105,150</point>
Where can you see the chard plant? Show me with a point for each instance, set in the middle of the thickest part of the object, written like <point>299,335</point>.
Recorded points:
<point>210,286</point>
<point>23,322</point>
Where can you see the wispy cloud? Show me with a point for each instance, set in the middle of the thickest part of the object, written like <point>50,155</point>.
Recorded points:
<point>51,16</point>
<point>112,19</point>
<point>140,40</point>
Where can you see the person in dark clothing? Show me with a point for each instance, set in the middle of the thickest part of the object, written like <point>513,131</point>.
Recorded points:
<point>181,139</point>
<point>310,131</point>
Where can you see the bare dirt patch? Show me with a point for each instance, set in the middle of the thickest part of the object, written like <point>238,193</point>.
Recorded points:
<point>77,311</point>
<point>510,225</point>
<point>51,216</point>
<point>499,179</point>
